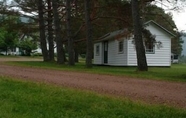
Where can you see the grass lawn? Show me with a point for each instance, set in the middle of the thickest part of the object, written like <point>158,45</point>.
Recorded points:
<point>20,99</point>
<point>177,72</point>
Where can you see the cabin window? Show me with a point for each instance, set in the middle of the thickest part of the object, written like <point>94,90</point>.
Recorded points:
<point>120,46</point>
<point>97,50</point>
<point>149,47</point>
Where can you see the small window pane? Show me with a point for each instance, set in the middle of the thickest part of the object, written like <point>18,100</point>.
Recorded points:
<point>120,46</point>
<point>97,50</point>
<point>149,46</point>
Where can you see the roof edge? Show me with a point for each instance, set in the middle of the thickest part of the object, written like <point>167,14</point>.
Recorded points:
<point>152,21</point>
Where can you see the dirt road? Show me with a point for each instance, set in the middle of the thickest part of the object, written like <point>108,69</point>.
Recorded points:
<point>150,91</point>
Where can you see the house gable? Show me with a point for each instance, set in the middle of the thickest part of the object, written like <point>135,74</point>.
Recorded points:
<point>161,55</point>
<point>159,27</point>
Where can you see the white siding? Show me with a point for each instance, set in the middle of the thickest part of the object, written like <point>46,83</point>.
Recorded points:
<point>184,46</point>
<point>161,57</point>
<point>114,57</point>
<point>98,59</point>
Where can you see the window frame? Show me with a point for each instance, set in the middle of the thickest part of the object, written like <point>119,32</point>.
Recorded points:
<point>120,43</point>
<point>150,50</point>
<point>97,50</point>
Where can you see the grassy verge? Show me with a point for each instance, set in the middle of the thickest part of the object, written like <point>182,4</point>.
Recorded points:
<point>20,99</point>
<point>177,72</point>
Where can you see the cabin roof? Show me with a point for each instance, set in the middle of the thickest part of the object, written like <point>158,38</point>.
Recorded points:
<point>112,35</point>
<point>116,33</point>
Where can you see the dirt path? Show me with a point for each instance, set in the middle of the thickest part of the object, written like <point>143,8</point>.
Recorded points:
<point>151,91</point>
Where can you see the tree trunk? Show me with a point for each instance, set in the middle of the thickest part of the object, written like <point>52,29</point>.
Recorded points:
<point>59,41</point>
<point>69,34</point>
<point>140,50</point>
<point>50,32</point>
<point>76,56</point>
<point>89,42</point>
<point>42,31</point>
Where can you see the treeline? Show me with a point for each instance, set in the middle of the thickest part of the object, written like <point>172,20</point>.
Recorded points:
<point>73,25</point>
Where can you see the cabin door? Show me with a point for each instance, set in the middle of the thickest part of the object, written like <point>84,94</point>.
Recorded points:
<point>105,46</point>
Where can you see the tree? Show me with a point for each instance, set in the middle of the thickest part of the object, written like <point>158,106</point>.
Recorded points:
<point>105,16</point>
<point>8,33</point>
<point>140,50</point>
<point>71,60</point>
<point>30,9</point>
<point>58,36</point>
<point>89,42</point>
<point>50,31</point>
<point>42,30</point>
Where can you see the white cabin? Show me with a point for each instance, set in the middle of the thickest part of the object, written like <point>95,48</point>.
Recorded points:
<point>117,50</point>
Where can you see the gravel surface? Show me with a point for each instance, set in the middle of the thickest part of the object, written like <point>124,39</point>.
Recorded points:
<point>150,91</point>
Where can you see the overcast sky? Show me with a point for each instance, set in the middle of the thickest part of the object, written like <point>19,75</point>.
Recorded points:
<point>180,20</point>
<point>179,15</point>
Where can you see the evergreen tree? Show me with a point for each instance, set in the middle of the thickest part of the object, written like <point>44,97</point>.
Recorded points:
<point>137,25</point>
<point>58,36</point>
<point>50,30</point>
<point>42,30</point>
<point>89,42</point>
<point>71,60</point>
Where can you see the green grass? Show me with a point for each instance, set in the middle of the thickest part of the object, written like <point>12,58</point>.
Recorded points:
<point>177,72</point>
<point>20,99</point>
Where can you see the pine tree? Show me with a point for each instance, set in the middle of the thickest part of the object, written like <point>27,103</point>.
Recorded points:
<point>71,60</point>
<point>89,42</point>
<point>137,25</point>
<point>59,40</point>
<point>42,30</point>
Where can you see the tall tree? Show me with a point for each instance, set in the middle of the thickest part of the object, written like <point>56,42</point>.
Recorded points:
<point>71,60</point>
<point>89,42</point>
<point>42,30</point>
<point>50,31</point>
<point>137,26</point>
<point>58,36</point>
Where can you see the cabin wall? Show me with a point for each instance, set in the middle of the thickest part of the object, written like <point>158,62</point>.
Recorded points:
<point>98,58</point>
<point>162,55</point>
<point>116,58</point>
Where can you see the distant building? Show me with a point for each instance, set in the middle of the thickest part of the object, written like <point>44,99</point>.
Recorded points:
<point>184,46</point>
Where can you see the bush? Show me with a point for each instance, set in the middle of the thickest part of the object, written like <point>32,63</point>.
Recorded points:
<point>83,55</point>
<point>182,59</point>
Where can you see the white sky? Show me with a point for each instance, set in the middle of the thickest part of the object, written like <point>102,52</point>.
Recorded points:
<point>180,20</point>
<point>179,16</point>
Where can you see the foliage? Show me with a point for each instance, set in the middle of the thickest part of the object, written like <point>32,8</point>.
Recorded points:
<point>12,29</point>
<point>30,100</point>
<point>8,35</point>
<point>27,45</point>
<point>2,37</point>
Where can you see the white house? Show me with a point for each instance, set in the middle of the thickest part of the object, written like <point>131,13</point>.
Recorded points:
<point>117,50</point>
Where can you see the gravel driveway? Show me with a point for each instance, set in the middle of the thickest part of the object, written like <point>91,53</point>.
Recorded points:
<point>150,91</point>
